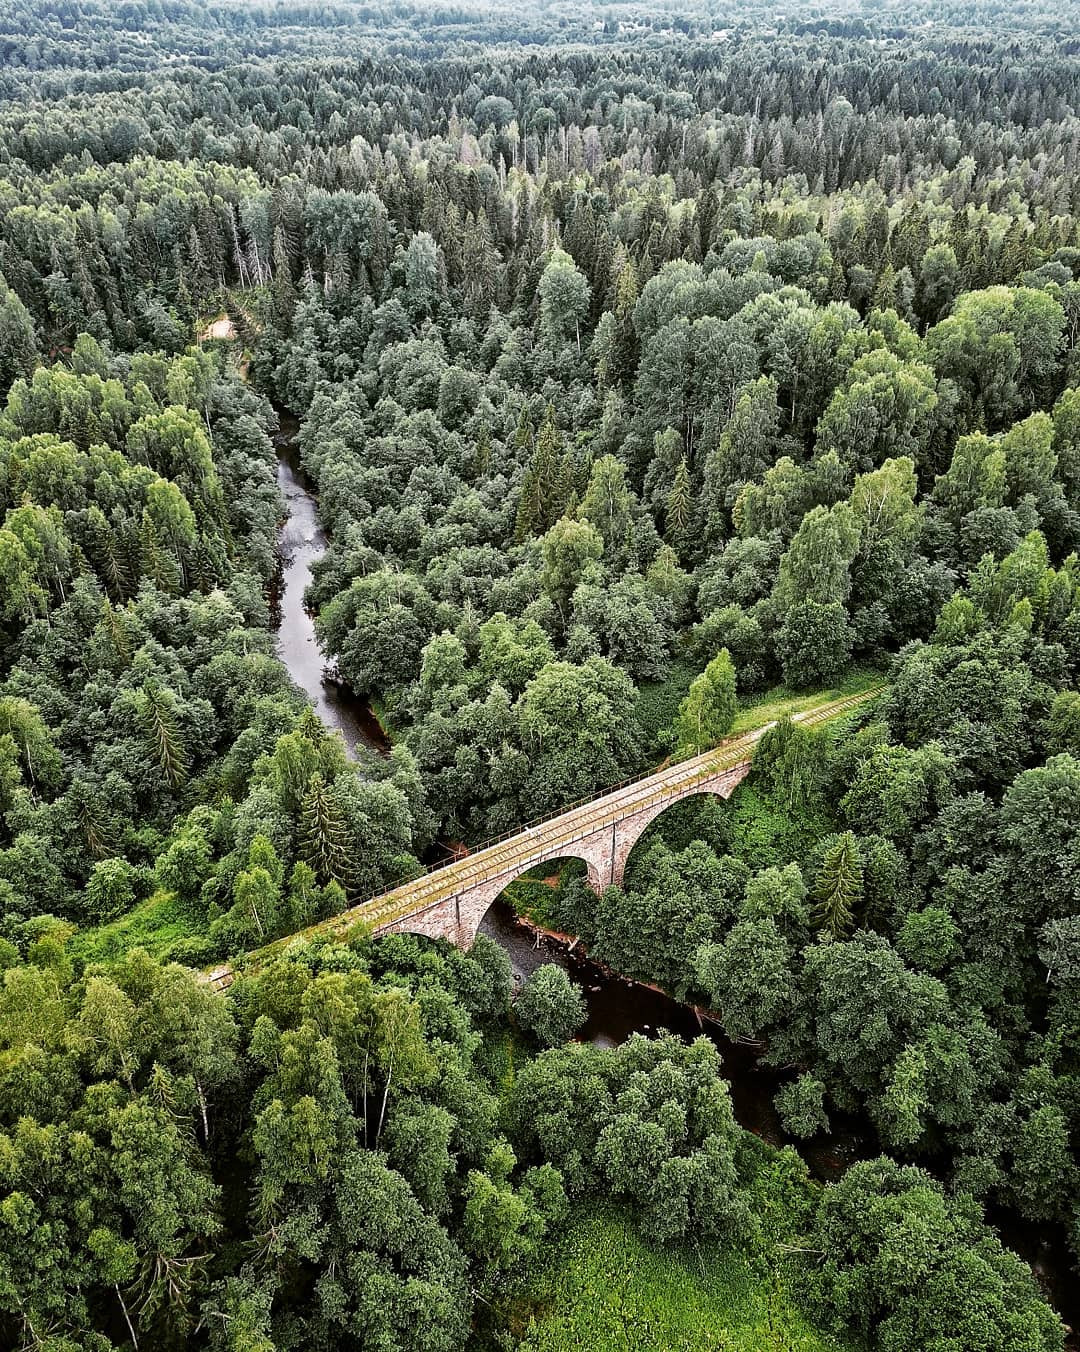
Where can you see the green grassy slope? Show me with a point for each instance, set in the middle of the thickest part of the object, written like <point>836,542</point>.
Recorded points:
<point>604,1289</point>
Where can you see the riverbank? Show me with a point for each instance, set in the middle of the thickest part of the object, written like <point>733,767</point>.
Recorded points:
<point>619,1006</point>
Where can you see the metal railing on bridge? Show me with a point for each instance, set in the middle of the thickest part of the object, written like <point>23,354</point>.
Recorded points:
<point>477,865</point>
<point>428,887</point>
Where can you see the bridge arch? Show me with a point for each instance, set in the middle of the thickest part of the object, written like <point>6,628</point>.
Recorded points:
<point>474,904</point>
<point>459,916</point>
<point>631,828</point>
<point>637,827</point>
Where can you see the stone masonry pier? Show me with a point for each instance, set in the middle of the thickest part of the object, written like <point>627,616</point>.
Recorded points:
<point>450,901</point>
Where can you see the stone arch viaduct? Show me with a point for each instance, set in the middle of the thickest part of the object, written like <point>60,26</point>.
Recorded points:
<point>451,900</point>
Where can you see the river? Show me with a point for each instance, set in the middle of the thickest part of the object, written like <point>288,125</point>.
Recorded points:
<point>301,543</point>
<point>617,1007</point>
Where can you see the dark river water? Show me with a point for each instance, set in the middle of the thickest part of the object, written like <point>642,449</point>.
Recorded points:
<point>617,1007</point>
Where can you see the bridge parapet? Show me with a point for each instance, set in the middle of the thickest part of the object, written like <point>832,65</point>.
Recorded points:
<point>451,900</point>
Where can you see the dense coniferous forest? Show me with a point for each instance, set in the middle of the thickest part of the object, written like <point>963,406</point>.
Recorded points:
<point>656,370</point>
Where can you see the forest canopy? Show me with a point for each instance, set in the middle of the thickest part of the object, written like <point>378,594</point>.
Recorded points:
<point>653,368</point>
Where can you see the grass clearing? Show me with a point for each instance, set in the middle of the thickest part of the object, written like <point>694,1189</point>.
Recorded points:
<point>605,1288</point>
<point>156,924</point>
<point>770,705</point>
<point>658,702</point>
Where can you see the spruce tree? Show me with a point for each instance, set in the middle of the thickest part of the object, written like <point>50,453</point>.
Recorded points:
<point>625,345</point>
<point>548,483</point>
<point>839,886</point>
<point>18,339</point>
<point>322,827</point>
<point>680,506</point>
<point>158,714</point>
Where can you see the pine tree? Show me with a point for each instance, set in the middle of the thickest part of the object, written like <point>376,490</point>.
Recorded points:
<point>839,886</point>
